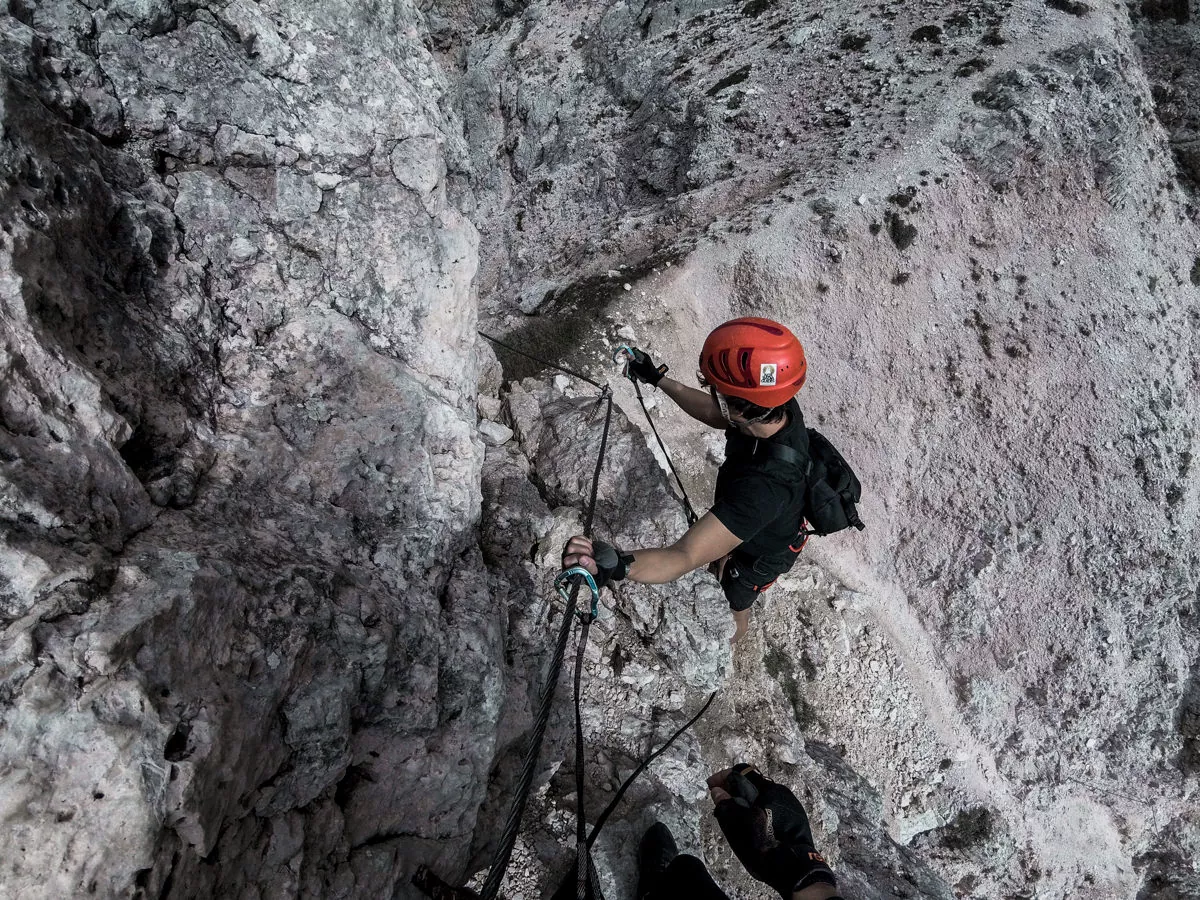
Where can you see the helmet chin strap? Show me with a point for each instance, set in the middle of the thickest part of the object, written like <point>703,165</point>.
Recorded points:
<point>723,405</point>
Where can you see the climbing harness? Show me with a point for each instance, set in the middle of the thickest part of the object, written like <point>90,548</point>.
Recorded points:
<point>627,352</point>
<point>576,577</point>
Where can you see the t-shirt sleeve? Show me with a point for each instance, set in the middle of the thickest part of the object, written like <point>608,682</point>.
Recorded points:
<point>749,504</point>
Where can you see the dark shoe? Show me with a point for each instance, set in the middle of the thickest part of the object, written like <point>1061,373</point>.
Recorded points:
<point>655,853</point>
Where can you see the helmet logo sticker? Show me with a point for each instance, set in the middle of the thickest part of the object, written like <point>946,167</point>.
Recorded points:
<point>766,374</point>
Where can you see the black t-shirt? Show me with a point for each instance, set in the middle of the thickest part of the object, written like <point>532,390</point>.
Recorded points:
<point>761,500</point>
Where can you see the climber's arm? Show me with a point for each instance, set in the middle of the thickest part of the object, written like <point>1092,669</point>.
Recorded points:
<point>704,542</point>
<point>700,405</point>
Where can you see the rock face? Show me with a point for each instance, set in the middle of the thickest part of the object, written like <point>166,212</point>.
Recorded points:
<point>278,537</point>
<point>1166,36</point>
<point>240,462</point>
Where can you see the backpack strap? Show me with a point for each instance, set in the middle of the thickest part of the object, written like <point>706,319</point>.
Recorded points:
<point>784,454</point>
<point>771,450</point>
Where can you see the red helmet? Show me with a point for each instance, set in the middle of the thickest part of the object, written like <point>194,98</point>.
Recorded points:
<point>755,359</point>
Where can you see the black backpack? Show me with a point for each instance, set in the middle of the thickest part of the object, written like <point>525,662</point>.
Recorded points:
<point>833,488</point>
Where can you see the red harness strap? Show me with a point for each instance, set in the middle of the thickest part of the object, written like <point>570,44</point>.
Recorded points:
<point>802,536</point>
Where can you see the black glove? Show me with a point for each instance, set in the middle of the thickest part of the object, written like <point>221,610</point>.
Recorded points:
<point>641,368</point>
<point>768,830</point>
<point>611,563</point>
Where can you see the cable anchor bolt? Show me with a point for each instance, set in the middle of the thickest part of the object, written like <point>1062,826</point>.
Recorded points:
<point>605,394</point>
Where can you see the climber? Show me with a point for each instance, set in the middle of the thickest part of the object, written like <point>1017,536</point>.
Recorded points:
<point>766,827</point>
<point>752,369</point>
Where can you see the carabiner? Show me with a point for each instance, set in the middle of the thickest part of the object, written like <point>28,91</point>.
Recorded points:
<point>560,585</point>
<point>624,356</point>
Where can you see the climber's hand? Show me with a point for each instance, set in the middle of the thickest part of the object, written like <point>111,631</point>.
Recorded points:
<point>768,830</point>
<point>578,552</point>
<point>642,368</point>
<point>603,560</point>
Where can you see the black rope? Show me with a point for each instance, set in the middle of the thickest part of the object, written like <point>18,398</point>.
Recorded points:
<point>512,825</point>
<point>688,511</point>
<point>581,842</point>
<point>508,836</point>
<point>638,771</point>
<point>544,362</point>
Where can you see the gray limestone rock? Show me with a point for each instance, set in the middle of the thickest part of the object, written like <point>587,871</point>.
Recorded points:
<point>494,434</point>
<point>275,606</point>
<point>234,624</point>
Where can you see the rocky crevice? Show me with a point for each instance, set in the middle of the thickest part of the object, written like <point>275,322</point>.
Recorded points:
<point>1167,39</point>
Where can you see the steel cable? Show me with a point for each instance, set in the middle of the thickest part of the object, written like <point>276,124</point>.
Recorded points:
<point>585,871</point>
<point>688,511</point>
<point>581,844</point>
<point>544,362</point>
<point>512,825</point>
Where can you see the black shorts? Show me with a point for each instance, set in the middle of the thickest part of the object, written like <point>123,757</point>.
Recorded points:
<point>746,577</point>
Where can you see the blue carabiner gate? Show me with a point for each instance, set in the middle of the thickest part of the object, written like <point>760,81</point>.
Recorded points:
<point>624,356</point>
<point>560,584</point>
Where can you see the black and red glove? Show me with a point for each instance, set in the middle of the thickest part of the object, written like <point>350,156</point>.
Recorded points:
<point>641,367</point>
<point>769,832</point>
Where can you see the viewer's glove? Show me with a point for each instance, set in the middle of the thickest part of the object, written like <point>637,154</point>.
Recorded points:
<point>768,830</point>
<point>641,368</point>
<point>602,559</point>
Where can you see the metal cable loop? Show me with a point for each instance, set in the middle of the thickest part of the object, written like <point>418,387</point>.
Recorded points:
<point>537,359</point>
